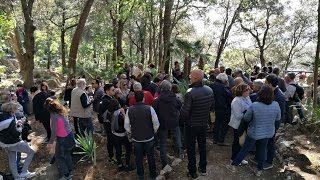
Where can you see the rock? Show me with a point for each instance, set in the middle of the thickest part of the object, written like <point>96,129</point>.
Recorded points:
<point>167,168</point>
<point>160,177</point>
<point>48,172</point>
<point>53,83</point>
<point>176,162</point>
<point>162,172</point>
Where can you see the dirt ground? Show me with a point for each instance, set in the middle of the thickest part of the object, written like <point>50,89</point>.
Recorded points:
<point>299,161</point>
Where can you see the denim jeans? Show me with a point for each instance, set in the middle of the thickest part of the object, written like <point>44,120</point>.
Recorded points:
<point>12,154</point>
<point>193,134</point>
<point>63,151</point>
<point>221,125</point>
<point>85,125</point>
<point>261,148</point>
<point>148,148</point>
<point>110,142</point>
<point>235,144</point>
<point>163,133</point>
<point>118,142</point>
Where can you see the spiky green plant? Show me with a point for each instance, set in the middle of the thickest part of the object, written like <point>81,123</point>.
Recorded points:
<point>88,146</point>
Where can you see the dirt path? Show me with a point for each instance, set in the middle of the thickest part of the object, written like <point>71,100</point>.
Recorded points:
<point>300,160</point>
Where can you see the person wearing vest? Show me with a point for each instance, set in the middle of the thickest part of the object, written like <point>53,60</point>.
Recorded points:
<point>142,123</point>
<point>199,100</point>
<point>80,108</point>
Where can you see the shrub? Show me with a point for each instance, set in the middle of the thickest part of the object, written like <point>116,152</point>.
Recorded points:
<point>89,147</point>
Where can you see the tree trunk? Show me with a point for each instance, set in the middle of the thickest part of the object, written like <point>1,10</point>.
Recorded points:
<point>150,43</point>
<point>316,64</point>
<point>219,52</point>
<point>27,63</point>
<point>142,41</point>
<point>166,32</point>
<point>262,60</point>
<point>119,38</point>
<point>114,40</point>
<point>63,49</point>
<point>107,60</point>
<point>77,36</point>
<point>160,43</point>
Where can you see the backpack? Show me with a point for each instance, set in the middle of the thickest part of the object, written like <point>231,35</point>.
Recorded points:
<point>120,126</point>
<point>299,94</point>
<point>103,110</point>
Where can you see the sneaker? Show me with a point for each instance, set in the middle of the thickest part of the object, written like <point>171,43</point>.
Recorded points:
<point>244,162</point>
<point>203,172</point>
<point>27,174</point>
<point>231,168</point>
<point>267,166</point>
<point>193,175</point>
<point>258,172</point>
<point>253,160</point>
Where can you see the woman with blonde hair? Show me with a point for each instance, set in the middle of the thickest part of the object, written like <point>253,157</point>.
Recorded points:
<point>62,135</point>
<point>10,140</point>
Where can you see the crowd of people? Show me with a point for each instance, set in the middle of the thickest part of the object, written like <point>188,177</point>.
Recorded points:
<point>141,108</point>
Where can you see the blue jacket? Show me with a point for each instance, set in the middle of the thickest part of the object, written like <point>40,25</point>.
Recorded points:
<point>262,119</point>
<point>281,100</point>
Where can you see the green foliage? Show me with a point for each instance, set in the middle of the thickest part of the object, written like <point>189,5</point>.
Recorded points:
<point>3,70</point>
<point>183,86</point>
<point>7,24</point>
<point>89,147</point>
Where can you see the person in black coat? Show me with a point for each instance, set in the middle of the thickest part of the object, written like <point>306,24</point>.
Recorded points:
<point>167,107</point>
<point>223,97</point>
<point>198,103</point>
<point>40,112</point>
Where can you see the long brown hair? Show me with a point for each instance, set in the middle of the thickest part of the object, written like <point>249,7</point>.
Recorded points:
<point>55,107</point>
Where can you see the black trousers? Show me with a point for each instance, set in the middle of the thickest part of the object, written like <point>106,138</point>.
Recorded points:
<point>193,134</point>
<point>110,143</point>
<point>118,143</point>
<point>221,125</point>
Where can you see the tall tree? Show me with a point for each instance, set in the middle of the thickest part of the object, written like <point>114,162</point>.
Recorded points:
<point>64,23</point>
<point>316,64</point>
<point>257,19</point>
<point>166,33</point>
<point>227,25</point>
<point>77,36</point>
<point>25,50</point>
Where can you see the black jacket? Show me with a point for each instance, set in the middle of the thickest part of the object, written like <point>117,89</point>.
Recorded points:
<point>8,131</point>
<point>167,107</point>
<point>108,103</point>
<point>40,112</point>
<point>222,96</point>
<point>199,100</point>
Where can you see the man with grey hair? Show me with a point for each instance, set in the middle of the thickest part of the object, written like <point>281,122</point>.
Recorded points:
<point>167,107</point>
<point>223,98</point>
<point>80,108</point>
<point>148,98</point>
<point>257,83</point>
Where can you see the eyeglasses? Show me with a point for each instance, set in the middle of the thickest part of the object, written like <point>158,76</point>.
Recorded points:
<point>248,89</point>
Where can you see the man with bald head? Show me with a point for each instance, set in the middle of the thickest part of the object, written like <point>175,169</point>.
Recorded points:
<point>198,102</point>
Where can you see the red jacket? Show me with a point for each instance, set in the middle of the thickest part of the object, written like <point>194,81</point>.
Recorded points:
<point>148,99</point>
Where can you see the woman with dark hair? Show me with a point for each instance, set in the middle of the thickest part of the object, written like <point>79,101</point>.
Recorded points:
<point>261,116</point>
<point>239,106</point>
<point>62,135</point>
<point>40,112</point>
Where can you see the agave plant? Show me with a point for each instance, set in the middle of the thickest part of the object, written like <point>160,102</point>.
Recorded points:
<point>89,147</point>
